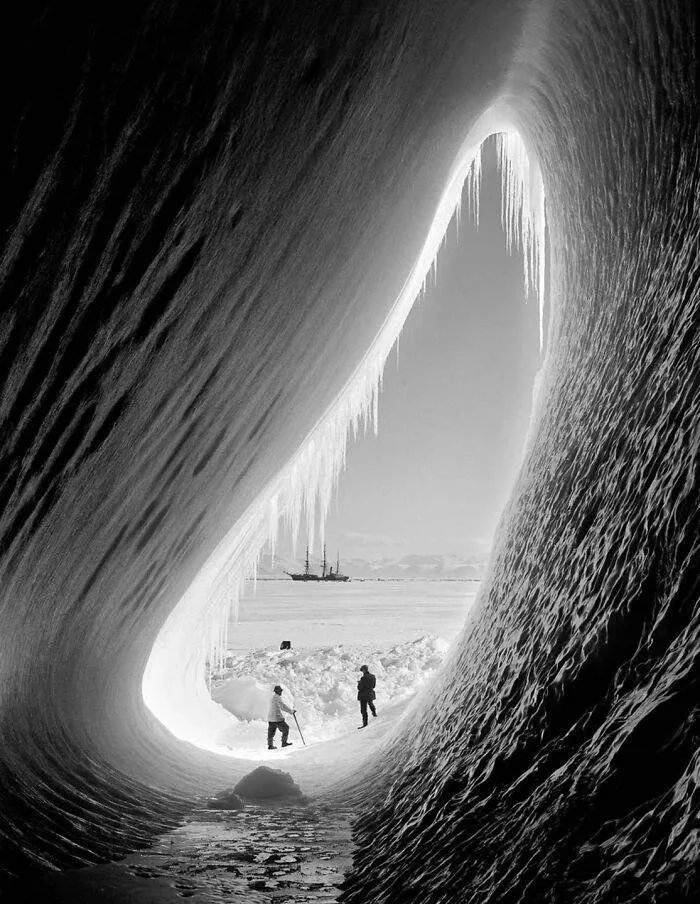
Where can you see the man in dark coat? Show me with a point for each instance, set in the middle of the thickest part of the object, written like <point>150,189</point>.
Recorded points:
<point>365,693</point>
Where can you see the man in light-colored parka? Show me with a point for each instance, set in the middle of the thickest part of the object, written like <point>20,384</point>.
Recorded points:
<point>275,719</point>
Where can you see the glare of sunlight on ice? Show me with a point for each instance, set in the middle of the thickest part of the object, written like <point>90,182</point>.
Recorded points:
<point>174,683</point>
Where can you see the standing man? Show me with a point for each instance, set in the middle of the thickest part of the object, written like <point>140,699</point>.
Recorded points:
<point>275,719</point>
<point>365,694</point>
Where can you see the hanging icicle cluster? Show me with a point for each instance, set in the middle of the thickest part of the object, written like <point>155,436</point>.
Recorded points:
<point>523,213</point>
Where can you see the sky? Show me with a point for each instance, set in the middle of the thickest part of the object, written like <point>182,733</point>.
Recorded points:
<point>454,410</point>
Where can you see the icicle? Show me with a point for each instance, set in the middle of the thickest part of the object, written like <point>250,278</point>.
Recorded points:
<point>523,214</point>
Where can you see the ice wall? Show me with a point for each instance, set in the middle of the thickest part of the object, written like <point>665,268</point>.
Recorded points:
<point>556,759</point>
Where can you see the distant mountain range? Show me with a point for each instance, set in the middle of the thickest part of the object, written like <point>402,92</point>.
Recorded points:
<point>411,567</point>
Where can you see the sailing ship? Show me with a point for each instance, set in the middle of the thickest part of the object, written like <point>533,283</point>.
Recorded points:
<point>326,573</point>
<point>333,575</point>
<point>306,575</point>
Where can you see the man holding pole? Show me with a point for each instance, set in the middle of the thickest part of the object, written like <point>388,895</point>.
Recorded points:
<point>275,719</point>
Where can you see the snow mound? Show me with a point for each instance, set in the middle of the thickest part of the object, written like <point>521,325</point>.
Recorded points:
<point>264,783</point>
<point>244,697</point>
<point>321,684</point>
<point>225,800</point>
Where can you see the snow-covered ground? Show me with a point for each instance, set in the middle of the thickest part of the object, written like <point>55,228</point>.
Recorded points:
<point>401,631</point>
<point>321,684</point>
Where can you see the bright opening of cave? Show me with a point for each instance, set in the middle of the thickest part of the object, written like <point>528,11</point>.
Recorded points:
<point>175,686</point>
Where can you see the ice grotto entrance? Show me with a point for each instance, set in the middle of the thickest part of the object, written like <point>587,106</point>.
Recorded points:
<point>175,684</point>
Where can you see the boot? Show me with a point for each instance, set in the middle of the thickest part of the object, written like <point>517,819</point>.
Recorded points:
<point>287,743</point>
<point>271,747</point>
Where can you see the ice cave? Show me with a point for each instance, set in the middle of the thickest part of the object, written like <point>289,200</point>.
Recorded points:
<point>217,217</point>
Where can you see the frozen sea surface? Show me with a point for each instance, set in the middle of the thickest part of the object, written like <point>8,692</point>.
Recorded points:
<point>311,614</point>
<point>279,853</point>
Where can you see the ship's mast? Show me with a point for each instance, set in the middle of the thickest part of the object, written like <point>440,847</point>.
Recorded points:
<point>324,561</point>
<point>337,564</point>
<point>307,559</point>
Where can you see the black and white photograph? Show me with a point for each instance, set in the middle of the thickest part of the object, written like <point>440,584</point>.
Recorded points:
<point>350,452</point>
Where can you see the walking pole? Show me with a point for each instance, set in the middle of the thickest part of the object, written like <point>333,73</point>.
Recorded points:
<point>299,729</point>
